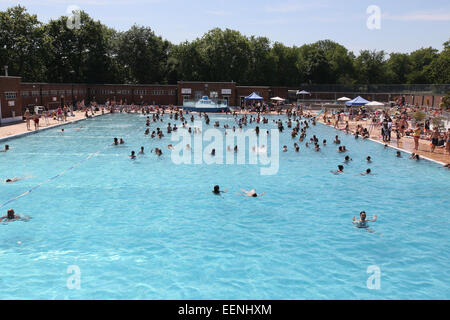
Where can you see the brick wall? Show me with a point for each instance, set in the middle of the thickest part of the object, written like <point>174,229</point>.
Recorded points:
<point>10,97</point>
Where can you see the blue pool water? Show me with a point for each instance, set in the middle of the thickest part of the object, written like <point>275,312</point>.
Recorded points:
<point>149,229</point>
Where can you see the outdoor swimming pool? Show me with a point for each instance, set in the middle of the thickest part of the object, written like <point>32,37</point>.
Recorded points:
<point>149,229</point>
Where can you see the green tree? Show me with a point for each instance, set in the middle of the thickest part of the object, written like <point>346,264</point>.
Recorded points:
<point>87,50</point>
<point>420,60</point>
<point>370,67</point>
<point>287,65</point>
<point>439,68</point>
<point>398,68</point>
<point>22,44</point>
<point>143,55</point>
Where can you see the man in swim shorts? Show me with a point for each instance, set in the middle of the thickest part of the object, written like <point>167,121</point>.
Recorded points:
<point>362,222</point>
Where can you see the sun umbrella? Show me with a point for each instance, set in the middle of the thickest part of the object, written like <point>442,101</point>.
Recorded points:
<point>277,99</point>
<point>344,99</point>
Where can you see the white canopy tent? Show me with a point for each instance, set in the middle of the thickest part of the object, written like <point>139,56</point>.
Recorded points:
<point>277,99</point>
<point>375,104</point>
<point>344,99</point>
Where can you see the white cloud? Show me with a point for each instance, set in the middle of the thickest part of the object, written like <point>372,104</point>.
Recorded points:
<point>419,16</point>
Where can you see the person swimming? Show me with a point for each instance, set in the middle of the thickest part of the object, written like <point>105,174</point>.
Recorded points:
<point>367,172</point>
<point>142,151</point>
<point>339,170</point>
<point>12,216</point>
<point>133,155</point>
<point>217,190</point>
<point>15,179</point>
<point>251,194</point>
<point>369,159</point>
<point>362,222</point>
<point>399,154</point>
<point>6,148</point>
<point>347,160</point>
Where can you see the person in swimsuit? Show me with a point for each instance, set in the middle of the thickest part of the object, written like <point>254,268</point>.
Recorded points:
<point>251,194</point>
<point>435,139</point>
<point>11,216</point>
<point>6,148</point>
<point>417,133</point>
<point>217,190</point>
<point>27,116</point>
<point>133,155</point>
<point>15,179</point>
<point>36,121</point>
<point>447,145</point>
<point>362,222</point>
<point>368,172</point>
<point>339,170</point>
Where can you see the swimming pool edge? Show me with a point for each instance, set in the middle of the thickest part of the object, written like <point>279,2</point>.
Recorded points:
<point>24,134</point>
<point>390,146</point>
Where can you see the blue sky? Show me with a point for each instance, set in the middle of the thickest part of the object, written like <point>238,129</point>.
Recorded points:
<point>406,25</point>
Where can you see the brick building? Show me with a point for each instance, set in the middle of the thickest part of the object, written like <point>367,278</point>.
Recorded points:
<point>16,96</point>
<point>10,99</point>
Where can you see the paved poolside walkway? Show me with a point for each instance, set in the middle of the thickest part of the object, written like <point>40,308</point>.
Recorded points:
<point>20,128</point>
<point>405,143</point>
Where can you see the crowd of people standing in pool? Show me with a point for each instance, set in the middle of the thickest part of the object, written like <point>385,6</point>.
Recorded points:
<point>296,121</point>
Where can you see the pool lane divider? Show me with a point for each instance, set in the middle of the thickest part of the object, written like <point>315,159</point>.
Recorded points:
<point>50,179</point>
<point>58,175</point>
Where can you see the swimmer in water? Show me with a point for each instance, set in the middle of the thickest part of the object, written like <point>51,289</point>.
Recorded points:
<point>133,155</point>
<point>15,179</point>
<point>12,216</point>
<point>339,170</point>
<point>217,191</point>
<point>6,148</point>
<point>116,142</point>
<point>170,147</point>
<point>142,151</point>
<point>251,194</point>
<point>367,172</point>
<point>399,154</point>
<point>369,159</point>
<point>362,222</point>
<point>121,141</point>
<point>347,160</point>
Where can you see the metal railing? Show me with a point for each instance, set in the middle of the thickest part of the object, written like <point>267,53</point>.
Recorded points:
<point>379,88</point>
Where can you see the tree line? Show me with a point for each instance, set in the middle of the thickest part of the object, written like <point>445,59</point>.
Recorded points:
<point>95,53</point>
